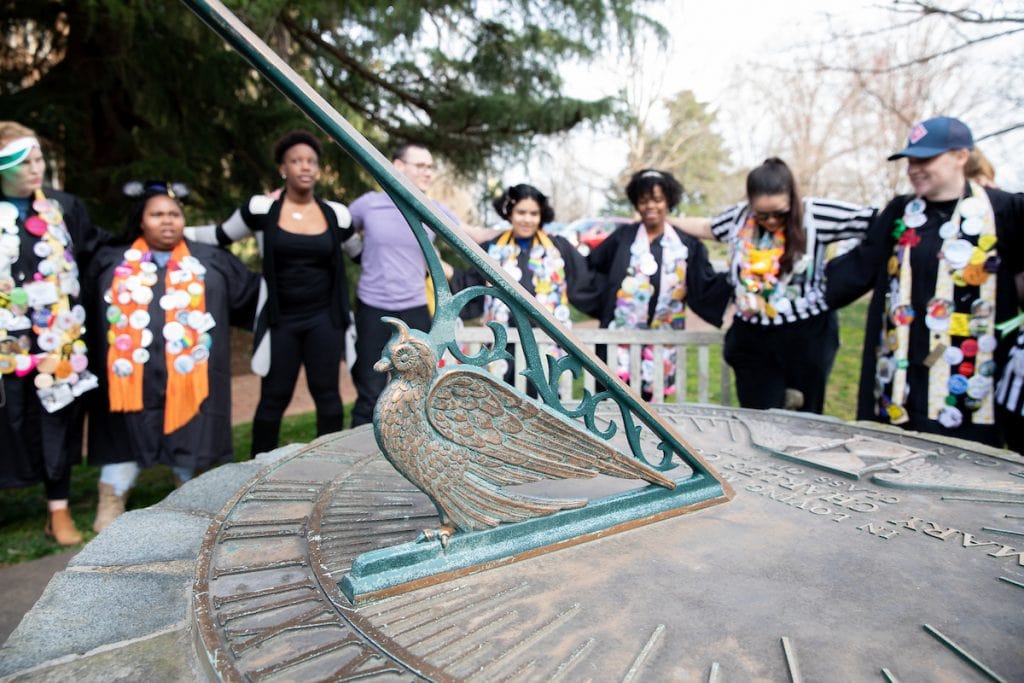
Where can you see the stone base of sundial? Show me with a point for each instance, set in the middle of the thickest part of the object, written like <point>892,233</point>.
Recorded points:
<point>849,553</point>
<point>846,551</point>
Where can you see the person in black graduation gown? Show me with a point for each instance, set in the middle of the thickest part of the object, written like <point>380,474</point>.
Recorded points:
<point>46,239</point>
<point>650,272</point>
<point>548,266</point>
<point>941,263</point>
<point>167,304</point>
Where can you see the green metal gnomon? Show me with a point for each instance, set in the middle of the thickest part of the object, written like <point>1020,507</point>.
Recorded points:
<point>544,372</point>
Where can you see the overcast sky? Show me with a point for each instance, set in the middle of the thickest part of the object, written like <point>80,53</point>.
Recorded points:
<point>711,40</point>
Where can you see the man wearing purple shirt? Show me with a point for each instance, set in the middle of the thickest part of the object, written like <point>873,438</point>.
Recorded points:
<point>393,275</point>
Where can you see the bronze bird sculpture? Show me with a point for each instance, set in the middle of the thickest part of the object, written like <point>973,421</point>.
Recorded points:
<point>460,435</point>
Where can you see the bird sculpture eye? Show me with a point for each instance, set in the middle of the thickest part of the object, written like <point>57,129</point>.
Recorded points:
<point>403,356</point>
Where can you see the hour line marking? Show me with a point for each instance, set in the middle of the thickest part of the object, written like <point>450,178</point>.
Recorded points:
<point>713,674</point>
<point>984,500</point>
<point>1013,516</point>
<point>641,658</point>
<point>1002,531</point>
<point>963,654</point>
<point>1015,583</point>
<point>794,668</point>
<point>889,677</point>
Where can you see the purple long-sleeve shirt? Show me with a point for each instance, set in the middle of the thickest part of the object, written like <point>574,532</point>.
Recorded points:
<point>393,266</point>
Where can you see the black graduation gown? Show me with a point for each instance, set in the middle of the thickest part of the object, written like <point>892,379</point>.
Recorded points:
<point>28,451</point>
<point>864,269</point>
<point>205,440</point>
<point>707,292</point>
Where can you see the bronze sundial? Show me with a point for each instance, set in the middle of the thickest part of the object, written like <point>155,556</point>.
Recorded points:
<point>847,551</point>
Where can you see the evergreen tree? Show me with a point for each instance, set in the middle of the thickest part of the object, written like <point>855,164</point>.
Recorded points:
<point>127,89</point>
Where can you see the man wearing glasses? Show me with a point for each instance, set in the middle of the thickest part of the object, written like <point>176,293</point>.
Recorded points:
<point>392,282</point>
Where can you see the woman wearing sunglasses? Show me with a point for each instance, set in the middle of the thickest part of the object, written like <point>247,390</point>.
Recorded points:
<point>783,336</point>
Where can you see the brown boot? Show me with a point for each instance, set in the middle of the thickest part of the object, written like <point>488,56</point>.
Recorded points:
<point>110,507</point>
<point>61,528</point>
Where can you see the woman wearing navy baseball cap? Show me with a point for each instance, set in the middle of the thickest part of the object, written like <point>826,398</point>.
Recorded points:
<point>941,262</point>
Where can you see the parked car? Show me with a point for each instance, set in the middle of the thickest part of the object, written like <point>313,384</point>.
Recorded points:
<point>593,231</point>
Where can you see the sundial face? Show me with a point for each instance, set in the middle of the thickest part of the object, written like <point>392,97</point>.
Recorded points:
<point>846,551</point>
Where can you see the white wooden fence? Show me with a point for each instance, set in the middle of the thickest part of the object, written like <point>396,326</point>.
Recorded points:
<point>683,341</point>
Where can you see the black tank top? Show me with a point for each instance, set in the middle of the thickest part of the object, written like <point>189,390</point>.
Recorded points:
<point>304,266</point>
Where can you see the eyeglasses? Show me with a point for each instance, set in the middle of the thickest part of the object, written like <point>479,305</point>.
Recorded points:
<point>420,166</point>
<point>765,216</point>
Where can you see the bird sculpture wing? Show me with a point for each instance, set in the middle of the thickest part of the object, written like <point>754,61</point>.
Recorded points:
<point>922,474</point>
<point>514,440</point>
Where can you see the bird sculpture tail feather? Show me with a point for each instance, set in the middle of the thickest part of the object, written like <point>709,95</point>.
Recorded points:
<point>482,506</point>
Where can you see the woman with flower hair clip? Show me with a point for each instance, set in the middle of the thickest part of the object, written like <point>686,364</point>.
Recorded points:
<point>548,266</point>
<point>166,306</point>
<point>651,272</point>
<point>45,237</point>
<point>784,337</point>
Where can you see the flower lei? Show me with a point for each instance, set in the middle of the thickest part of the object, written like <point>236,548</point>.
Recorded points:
<point>758,289</point>
<point>633,298</point>
<point>185,332</point>
<point>43,305</point>
<point>960,316</point>
<point>550,288</point>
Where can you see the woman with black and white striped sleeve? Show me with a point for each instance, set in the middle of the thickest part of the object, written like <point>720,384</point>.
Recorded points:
<point>783,335</point>
<point>303,305</point>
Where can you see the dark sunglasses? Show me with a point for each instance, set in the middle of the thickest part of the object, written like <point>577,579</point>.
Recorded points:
<point>768,215</point>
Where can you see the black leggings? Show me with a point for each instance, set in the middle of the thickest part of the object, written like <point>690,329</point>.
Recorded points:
<point>311,341</point>
<point>768,359</point>
<point>371,336</point>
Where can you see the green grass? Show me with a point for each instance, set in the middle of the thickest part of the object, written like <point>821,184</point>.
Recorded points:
<point>841,394</point>
<point>23,511</point>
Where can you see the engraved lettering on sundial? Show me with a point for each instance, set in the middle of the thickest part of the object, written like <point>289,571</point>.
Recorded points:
<point>945,533</point>
<point>882,532</point>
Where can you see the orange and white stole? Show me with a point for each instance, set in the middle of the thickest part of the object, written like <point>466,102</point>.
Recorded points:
<point>185,331</point>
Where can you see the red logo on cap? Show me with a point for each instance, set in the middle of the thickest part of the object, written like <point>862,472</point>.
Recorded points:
<point>917,132</point>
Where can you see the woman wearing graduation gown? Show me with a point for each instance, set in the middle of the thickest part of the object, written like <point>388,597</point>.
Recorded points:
<point>651,272</point>
<point>45,237</point>
<point>548,266</point>
<point>943,265</point>
<point>166,304</point>
<point>303,304</point>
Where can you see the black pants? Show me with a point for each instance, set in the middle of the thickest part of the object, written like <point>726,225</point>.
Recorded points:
<point>371,337</point>
<point>311,341</point>
<point>36,445</point>
<point>768,359</point>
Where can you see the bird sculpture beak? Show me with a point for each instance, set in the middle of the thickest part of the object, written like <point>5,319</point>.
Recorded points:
<point>383,365</point>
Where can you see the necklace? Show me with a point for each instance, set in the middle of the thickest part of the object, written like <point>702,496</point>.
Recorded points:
<point>299,215</point>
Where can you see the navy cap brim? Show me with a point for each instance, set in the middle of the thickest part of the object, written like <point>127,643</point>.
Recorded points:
<point>920,152</point>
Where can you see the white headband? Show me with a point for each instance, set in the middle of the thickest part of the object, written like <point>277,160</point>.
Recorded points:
<point>15,151</point>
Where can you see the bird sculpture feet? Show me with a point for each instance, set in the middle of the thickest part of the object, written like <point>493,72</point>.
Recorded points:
<point>443,535</point>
